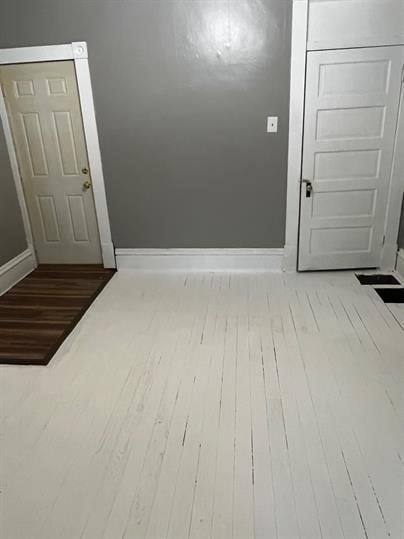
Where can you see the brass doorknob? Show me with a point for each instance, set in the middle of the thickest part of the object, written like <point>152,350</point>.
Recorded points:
<point>86,185</point>
<point>84,170</point>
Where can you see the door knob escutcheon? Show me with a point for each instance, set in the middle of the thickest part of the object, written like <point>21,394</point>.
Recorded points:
<point>309,188</point>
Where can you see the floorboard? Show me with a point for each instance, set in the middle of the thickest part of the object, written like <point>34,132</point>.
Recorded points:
<point>211,405</point>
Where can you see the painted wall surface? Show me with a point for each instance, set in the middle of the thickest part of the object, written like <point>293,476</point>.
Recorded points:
<point>182,90</point>
<point>12,235</point>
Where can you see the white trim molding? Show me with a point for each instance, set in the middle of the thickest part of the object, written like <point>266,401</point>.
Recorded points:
<point>296,118</point>
<point>16,269</point>
<point>76,51</point>
<point>93,151</point>
<point>200,259</point>
<point>308,16</point>
<point>47,53</point>
<point>396,191</point>
<point>400,264</point>
<point>16,174</point>
<point>341,24</point>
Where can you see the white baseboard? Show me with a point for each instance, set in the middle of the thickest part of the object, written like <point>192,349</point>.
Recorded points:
<point>16,269</point>
<point>108,255</point>
<point>389,256</point>
<point>400,264</point>
<point>200,259</point>
<point>289,258</point>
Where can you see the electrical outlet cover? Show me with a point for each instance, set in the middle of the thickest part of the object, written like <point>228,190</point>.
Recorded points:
<point>272,124</point>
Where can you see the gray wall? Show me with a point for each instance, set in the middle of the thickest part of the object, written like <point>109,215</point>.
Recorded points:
<point>182,90</point>
<point>12,235</point>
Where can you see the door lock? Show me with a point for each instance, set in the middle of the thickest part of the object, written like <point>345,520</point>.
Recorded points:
<point>84,170</point>
<point>309,188</point>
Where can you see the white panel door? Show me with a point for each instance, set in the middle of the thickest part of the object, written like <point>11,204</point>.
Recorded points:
<point>45,117</point>
<point>351,110</point>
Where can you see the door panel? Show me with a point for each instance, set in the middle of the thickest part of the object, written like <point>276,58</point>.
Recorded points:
<point>45,117</point>
<point>346,165</point>
<point>65,143</point>
<point>49,221</point>
<point>32,132</point>
<point>351,108</point>
<point>335,240</point>
<point>350,78</point>
<point>353,123</point>
<point>78,218</point>
<point>336,204</point>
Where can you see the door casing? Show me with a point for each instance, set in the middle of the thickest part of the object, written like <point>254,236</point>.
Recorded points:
<point>76,51</point>
<point>299,48</point>
<point>342,224</point>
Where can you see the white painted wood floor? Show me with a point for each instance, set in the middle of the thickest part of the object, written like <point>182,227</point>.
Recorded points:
<point>211,405</point>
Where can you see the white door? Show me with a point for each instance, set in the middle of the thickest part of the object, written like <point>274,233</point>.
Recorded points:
<point>45,117</point>
<point>351,110</point>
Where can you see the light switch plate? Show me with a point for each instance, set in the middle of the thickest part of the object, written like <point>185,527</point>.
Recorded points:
<point>272,124</point>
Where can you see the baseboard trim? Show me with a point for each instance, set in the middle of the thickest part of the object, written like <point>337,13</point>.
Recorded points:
<point>400,264</point>
<point>389,256</point>
<point>108,255</point>
<point>200,259</point>
<point>16,269</point>
<point>289,259</point>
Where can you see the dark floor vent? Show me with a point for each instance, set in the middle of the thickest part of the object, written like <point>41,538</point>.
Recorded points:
<point>377,278</point>
<point>391,295</point>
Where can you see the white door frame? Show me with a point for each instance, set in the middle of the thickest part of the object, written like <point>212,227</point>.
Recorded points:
<point>300,20</point>
<point>76,51</point>
<point>300,16</point>
<point>391,248</point>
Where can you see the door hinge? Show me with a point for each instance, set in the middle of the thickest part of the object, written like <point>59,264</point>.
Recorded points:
<point>384,240</point>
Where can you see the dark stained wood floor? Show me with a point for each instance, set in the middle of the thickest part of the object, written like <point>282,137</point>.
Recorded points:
<point>38,313</point>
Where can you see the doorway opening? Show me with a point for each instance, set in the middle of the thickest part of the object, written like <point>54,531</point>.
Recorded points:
<point>352,103</point>
<point>374,234</point>
<point>48,117</point>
